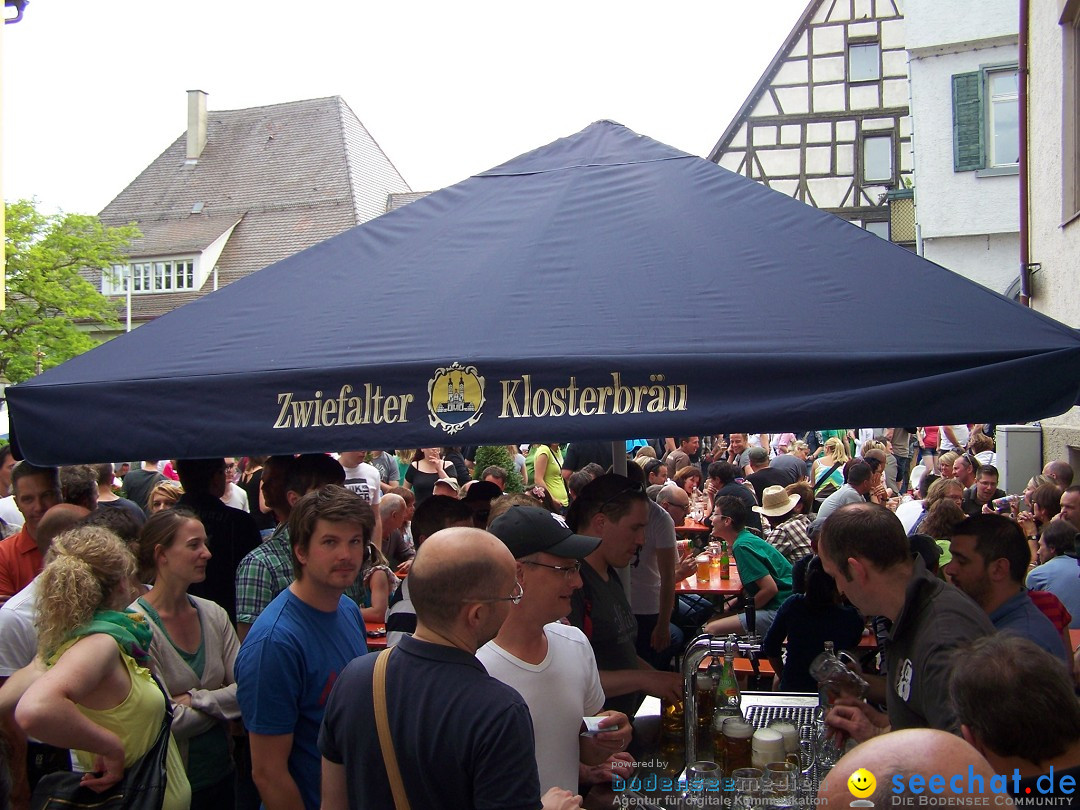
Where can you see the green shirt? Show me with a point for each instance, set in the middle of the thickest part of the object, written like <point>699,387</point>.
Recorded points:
<point>755,559</point>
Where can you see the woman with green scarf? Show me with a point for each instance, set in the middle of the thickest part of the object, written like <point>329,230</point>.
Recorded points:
<point>96,695</point>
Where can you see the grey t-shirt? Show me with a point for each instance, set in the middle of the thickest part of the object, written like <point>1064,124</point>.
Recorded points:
<point>842,497</point>
<point>935,620</point>
<point>388,468</point>
<point>600,610</point>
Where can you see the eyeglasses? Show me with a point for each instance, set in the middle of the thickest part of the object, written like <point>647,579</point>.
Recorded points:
<point>567,570</point>
<point>515,597</point>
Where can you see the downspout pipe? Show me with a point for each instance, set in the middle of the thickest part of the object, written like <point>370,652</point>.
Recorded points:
<point>1022,110</point>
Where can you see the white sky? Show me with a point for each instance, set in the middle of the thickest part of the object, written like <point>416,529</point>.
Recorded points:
<point>94,91</point>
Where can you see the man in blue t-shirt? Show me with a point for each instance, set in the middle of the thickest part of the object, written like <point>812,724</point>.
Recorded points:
<point>764,571</point>
<point>299,645</point>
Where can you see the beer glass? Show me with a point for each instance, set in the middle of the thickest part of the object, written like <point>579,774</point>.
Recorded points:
<point>703,778</point>
<point>780,784</point>
<point>738,744</point>
<point>746,784</point>
<point>671,718</point>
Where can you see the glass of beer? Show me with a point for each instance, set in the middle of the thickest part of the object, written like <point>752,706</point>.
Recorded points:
<point>672,718</point>
<point>791,738</point>
<point>738,744</point>
<point>704,563</point>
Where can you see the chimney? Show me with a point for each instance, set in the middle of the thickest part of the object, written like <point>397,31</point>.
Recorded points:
<point>196,124</point>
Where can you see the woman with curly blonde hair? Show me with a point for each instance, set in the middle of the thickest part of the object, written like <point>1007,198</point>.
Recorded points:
<point>96,695</point>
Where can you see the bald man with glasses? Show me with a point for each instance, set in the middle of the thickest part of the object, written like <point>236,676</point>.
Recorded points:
<point>461,738</point>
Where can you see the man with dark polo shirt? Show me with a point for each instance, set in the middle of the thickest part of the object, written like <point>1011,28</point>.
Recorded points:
<point>864,548</point>
<point>982,492</point>
<point>461,738</point>
<point>616,510</point>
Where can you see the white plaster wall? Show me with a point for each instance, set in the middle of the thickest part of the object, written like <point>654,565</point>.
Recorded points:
<point>954,203</point>
<point>1056,290</point>
<point>992,260</point>
<point>931,23</point>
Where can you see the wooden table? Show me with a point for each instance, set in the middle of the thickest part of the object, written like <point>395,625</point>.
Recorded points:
<point>692,527</point>
<point>376,642</point>
<point>713,587</point>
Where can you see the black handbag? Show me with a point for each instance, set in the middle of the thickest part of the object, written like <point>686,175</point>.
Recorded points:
<point>142,787</point>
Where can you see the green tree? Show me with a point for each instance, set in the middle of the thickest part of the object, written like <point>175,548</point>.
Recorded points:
<point>498,456</point>
<point>46,293</point>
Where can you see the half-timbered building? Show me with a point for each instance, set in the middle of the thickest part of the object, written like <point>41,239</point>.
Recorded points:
<point>828,122</point>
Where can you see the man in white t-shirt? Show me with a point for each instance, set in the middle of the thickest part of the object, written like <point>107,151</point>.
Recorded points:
<point>551,665</point>
<point>361,477</point>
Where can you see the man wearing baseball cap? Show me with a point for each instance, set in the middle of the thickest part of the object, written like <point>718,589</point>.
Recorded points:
<point>551,664</point>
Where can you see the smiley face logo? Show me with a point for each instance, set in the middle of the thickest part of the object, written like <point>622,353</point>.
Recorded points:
<point>861,783</point>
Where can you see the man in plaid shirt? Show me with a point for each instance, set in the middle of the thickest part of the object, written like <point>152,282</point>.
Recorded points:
<point>788,513</point>
<point>268,569</point>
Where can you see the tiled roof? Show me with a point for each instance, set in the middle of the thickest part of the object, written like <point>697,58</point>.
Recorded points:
<point>172,236</point>
<point>297,173</point>
<point>396,201</point>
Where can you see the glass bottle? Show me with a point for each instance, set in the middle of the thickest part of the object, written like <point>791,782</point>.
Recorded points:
<point>725,561</point>
<point>827,753</point>
<point>727,685</point>
<point>728,702</point>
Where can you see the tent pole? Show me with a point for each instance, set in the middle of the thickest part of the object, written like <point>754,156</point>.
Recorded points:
<point>618,457</point>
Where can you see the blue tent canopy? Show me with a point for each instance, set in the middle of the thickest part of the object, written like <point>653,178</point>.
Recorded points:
<point>603,286</point>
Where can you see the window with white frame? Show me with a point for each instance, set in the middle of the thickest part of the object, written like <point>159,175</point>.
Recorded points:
<point>986,129</point>
<point>155,276</point>
<point>1070,112</point>
<point>1002,118</point>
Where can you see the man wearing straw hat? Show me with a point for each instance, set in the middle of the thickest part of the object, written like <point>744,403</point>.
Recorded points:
<point>787,510</point>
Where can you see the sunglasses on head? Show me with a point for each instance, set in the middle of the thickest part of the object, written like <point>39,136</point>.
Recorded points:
<point>632,488</point>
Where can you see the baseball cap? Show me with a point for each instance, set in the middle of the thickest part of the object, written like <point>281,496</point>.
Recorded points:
<point>528,529</point>
<point>482,491</point>
<point>757,454</point>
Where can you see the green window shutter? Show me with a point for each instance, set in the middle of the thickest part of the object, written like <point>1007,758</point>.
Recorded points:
<point>967,97</point>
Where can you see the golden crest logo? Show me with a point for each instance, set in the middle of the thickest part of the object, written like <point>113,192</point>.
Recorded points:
<point>455,397</point>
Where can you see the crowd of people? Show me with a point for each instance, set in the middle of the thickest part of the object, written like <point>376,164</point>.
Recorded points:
<point>238,593</point>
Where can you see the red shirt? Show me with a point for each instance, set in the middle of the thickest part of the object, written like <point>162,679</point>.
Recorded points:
<point>1052,608</point>
<point>20,562</point>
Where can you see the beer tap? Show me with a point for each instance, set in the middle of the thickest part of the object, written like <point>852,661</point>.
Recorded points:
<point>701,647</point>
